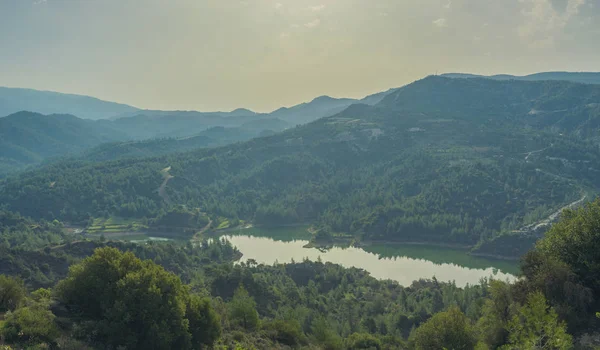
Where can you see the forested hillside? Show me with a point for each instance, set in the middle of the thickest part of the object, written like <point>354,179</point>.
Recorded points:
<point>194,297</point>
<point>29,138</point>
<point>460,161</point>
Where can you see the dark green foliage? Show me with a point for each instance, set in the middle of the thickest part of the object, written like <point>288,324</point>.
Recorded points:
<point>134,303</point>
<point>285,332</point>
<point>575,240</point>
<point>363,341</point>
<point>446,330</point>
<point>496,313</point>
<point>242,310</point>
<point>440,160</point>
<point>19,232</point>
<point>43,268</point>
<point>180,219</point>
<point>12,293</point>
<point>204,323</point>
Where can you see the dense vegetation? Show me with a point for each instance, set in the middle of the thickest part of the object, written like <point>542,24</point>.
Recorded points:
<point>28,138</point>
<point>465,161</point>
<point>195,297</point>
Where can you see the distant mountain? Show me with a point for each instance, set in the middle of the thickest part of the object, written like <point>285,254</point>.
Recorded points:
<point>28,138</point>
<point>454,161</point>
<point>577,77</point>
<point>13,100</point>
<point>319,107</point>
<point>181,123</point>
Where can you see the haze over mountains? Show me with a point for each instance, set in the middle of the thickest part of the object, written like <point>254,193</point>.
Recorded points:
<point>29,138</point>
<point>576,77</point>
<point>467,161</point>
<point>483,165</point>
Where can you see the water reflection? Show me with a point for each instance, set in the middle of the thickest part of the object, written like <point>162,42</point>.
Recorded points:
<point>400,263</point>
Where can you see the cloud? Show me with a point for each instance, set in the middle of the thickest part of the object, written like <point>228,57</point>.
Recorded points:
<point>440,22</point>
<point>546,19</point>
<point>317,8</point>
<point>313,24</point>
<point>278,6</point>
<point>39,2</point>
<point>448,5</point>
<point>284,35</point>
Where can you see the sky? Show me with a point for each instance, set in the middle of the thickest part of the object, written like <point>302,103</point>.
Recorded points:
<point>213,55</point>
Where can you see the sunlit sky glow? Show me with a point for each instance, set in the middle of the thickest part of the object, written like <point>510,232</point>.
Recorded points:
<point>263,54</point>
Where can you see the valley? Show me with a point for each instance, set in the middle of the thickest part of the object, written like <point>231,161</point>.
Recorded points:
<point>372,217</point>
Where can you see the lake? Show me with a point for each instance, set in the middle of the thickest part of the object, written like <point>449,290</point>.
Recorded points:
<point>399,262</point>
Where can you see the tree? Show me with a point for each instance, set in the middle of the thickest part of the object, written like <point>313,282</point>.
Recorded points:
<point>536,326</point>
<point>30,325</point>
<point>575,240</point>
<point>242,309</point>
<point>362,341</point>
<point>446,330</point>
<point>12,293</point>
<point>325,335</point>
<point>205,325</point>
<point>136,304</point>
<point>496,313</point>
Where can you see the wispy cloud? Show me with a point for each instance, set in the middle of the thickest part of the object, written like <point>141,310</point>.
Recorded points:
<point>440,22</point>
<point>278,6</point>
<point>448,5</point>
<point>313,24</point>
<point>543,21</point>
<point>317,8</point>
<point>39,2</point>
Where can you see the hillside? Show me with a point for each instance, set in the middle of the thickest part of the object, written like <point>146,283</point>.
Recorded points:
<point>576,77</point>
<point>13,100</point>
<point>441,160</point>
<point>144,132</point>
<point>29,138</point>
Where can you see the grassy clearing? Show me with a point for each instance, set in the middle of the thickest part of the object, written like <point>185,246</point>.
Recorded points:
<point>223,224</point>
<point>115,224</point>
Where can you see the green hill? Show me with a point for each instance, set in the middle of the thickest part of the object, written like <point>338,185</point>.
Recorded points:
<point>442,160</point>
<point>27,138</point>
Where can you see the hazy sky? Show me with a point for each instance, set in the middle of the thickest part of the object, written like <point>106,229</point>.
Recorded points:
<point>262,54</point>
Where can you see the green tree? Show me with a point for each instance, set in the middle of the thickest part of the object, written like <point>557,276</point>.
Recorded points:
<point>575,240</point>
<point>136,304</point>
<point>497,311</point>
<point>362,341</point>
<point>12,293</point>
<point>30,325</point>
<point>242,310</point>
<point>204,323</point>
<point>446,330</point>
<point>536,326</point>
<point>325,335</point>
<point>148,312</point>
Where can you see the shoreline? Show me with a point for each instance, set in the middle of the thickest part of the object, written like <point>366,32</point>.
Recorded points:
<point>340,241</point>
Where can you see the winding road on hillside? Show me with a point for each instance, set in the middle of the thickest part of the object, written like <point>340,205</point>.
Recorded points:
<point>162,190</point>
<point>532,228</point>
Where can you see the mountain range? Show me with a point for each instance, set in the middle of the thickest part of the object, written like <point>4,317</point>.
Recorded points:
<point>441,160</point>
<point>576,77</point>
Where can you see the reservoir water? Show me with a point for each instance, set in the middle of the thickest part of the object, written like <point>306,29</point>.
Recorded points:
<point>399,262</point>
